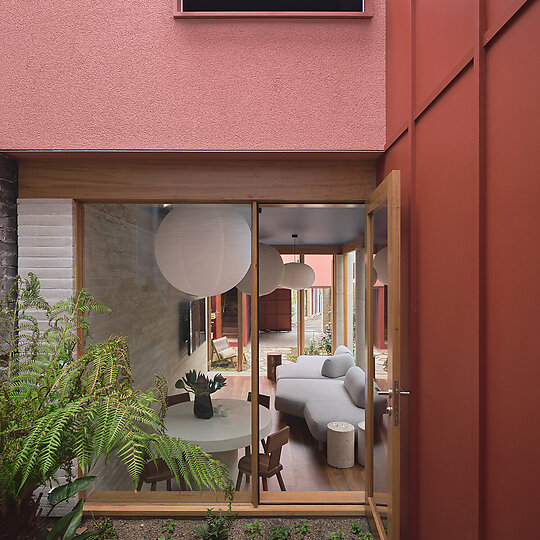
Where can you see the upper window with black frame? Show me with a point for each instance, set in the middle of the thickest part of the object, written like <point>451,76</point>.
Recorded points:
<point>271,8</point>
<point>273,5</point>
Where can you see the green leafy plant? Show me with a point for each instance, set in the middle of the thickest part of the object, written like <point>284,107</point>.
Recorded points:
<point>217,526</point>
<point>104,529</point>
<point>279,532</point>
<point>325,343</point>
<point>66,527</point>
<point>336,535</point>
<point>254,529</point>
<point>168,528</point>
<point>199,384</point>
<point>302,529</point>
<point>313,348</point>
<point>357,529</point>
<point>57,407</point>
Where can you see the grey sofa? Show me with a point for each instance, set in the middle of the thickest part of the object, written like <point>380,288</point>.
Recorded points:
<point>303,391</point>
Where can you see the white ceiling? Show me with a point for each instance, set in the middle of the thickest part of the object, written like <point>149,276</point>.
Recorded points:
<point>314,224</point>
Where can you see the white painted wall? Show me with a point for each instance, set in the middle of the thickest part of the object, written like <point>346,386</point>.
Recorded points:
<point>46,230</point>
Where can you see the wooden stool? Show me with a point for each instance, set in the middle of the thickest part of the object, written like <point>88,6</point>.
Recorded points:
<point>273,359</point>
<point>340,445</point>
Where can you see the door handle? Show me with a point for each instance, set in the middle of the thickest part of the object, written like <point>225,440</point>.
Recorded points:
<point>390,392</point>
<point>389,409</point>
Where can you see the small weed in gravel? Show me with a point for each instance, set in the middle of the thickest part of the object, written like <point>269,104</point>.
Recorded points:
<point>167,529</point>
<point>254,529</point>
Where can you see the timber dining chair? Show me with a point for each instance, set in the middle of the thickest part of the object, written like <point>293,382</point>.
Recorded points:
<point>157,471</point>
<point>154,472</point>
<point>269,462</point>
<point>174,399</point>
<point>264,400</point>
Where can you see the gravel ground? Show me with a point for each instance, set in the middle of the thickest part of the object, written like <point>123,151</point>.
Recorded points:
<point>150,529</point>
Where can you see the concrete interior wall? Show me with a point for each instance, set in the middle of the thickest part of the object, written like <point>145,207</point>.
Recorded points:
<point>120,269</point>
<point>339,308</point>
<point>360,308</point>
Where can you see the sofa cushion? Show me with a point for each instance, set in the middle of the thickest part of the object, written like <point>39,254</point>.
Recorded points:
<point>342,349</point>
<point>292,394</point>
<point>306,367</point>
<point>319,413</point>
<point>355,384</point>
<point>337,365</point>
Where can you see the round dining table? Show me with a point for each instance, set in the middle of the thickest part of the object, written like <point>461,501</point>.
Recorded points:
<point>220,436</point>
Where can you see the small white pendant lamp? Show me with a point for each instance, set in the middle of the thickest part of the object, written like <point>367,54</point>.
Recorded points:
<point>203,251</point>
<point>297,275</point>
<point>270,271</point>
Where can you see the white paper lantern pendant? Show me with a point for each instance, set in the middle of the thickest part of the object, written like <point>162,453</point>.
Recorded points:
<point>203,251</point>
<point>297,275</point>
<point>270,271</point>
<point>380,264</point>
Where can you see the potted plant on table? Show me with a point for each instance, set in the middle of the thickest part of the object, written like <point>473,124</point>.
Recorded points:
<point>201,386</point>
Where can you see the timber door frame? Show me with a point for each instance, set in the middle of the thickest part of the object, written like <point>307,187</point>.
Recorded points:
<point>387,193</point>
<point>300,503</point>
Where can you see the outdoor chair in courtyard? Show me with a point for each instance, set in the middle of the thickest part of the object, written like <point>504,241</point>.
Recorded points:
<point>224,351</point>
<point>269,462</point>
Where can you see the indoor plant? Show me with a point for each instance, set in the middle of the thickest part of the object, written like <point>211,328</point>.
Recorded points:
<point>201,386</point>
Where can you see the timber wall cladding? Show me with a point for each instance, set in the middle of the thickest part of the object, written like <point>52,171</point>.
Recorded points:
<point>120,177</point>
<point>465,140</point>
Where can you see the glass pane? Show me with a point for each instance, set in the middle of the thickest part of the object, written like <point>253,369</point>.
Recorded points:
<point>166,329</point>
<point>318,308</point>
<point>308,459</point>
<point>382,369</point>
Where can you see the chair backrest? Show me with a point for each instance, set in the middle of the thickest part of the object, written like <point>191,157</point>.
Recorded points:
<point>274,444</point>
<point>221,344</point>
<point>176,398</point>
<point>264,400</point>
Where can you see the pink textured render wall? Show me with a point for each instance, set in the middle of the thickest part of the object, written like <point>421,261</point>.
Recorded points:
<point>126,75</point>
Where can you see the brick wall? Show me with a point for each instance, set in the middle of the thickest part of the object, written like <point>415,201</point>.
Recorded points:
<point>8,222</point>
<point>46,248</point>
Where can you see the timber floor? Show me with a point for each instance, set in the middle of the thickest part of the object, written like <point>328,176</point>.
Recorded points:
<point>304,466</point>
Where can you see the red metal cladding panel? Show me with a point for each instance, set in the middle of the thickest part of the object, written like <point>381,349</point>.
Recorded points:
<point>512,280</point>
<point>398,83</point>
<point>446,305</point>
<point>497,10</point>
<point>398,158</point>
<point>444,34</point>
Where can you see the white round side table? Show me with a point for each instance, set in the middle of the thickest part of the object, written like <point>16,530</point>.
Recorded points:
<point>361,455</point>
<point>340,445</point>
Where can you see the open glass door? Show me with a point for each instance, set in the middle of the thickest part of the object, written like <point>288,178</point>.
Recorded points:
<point>383,390</point>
